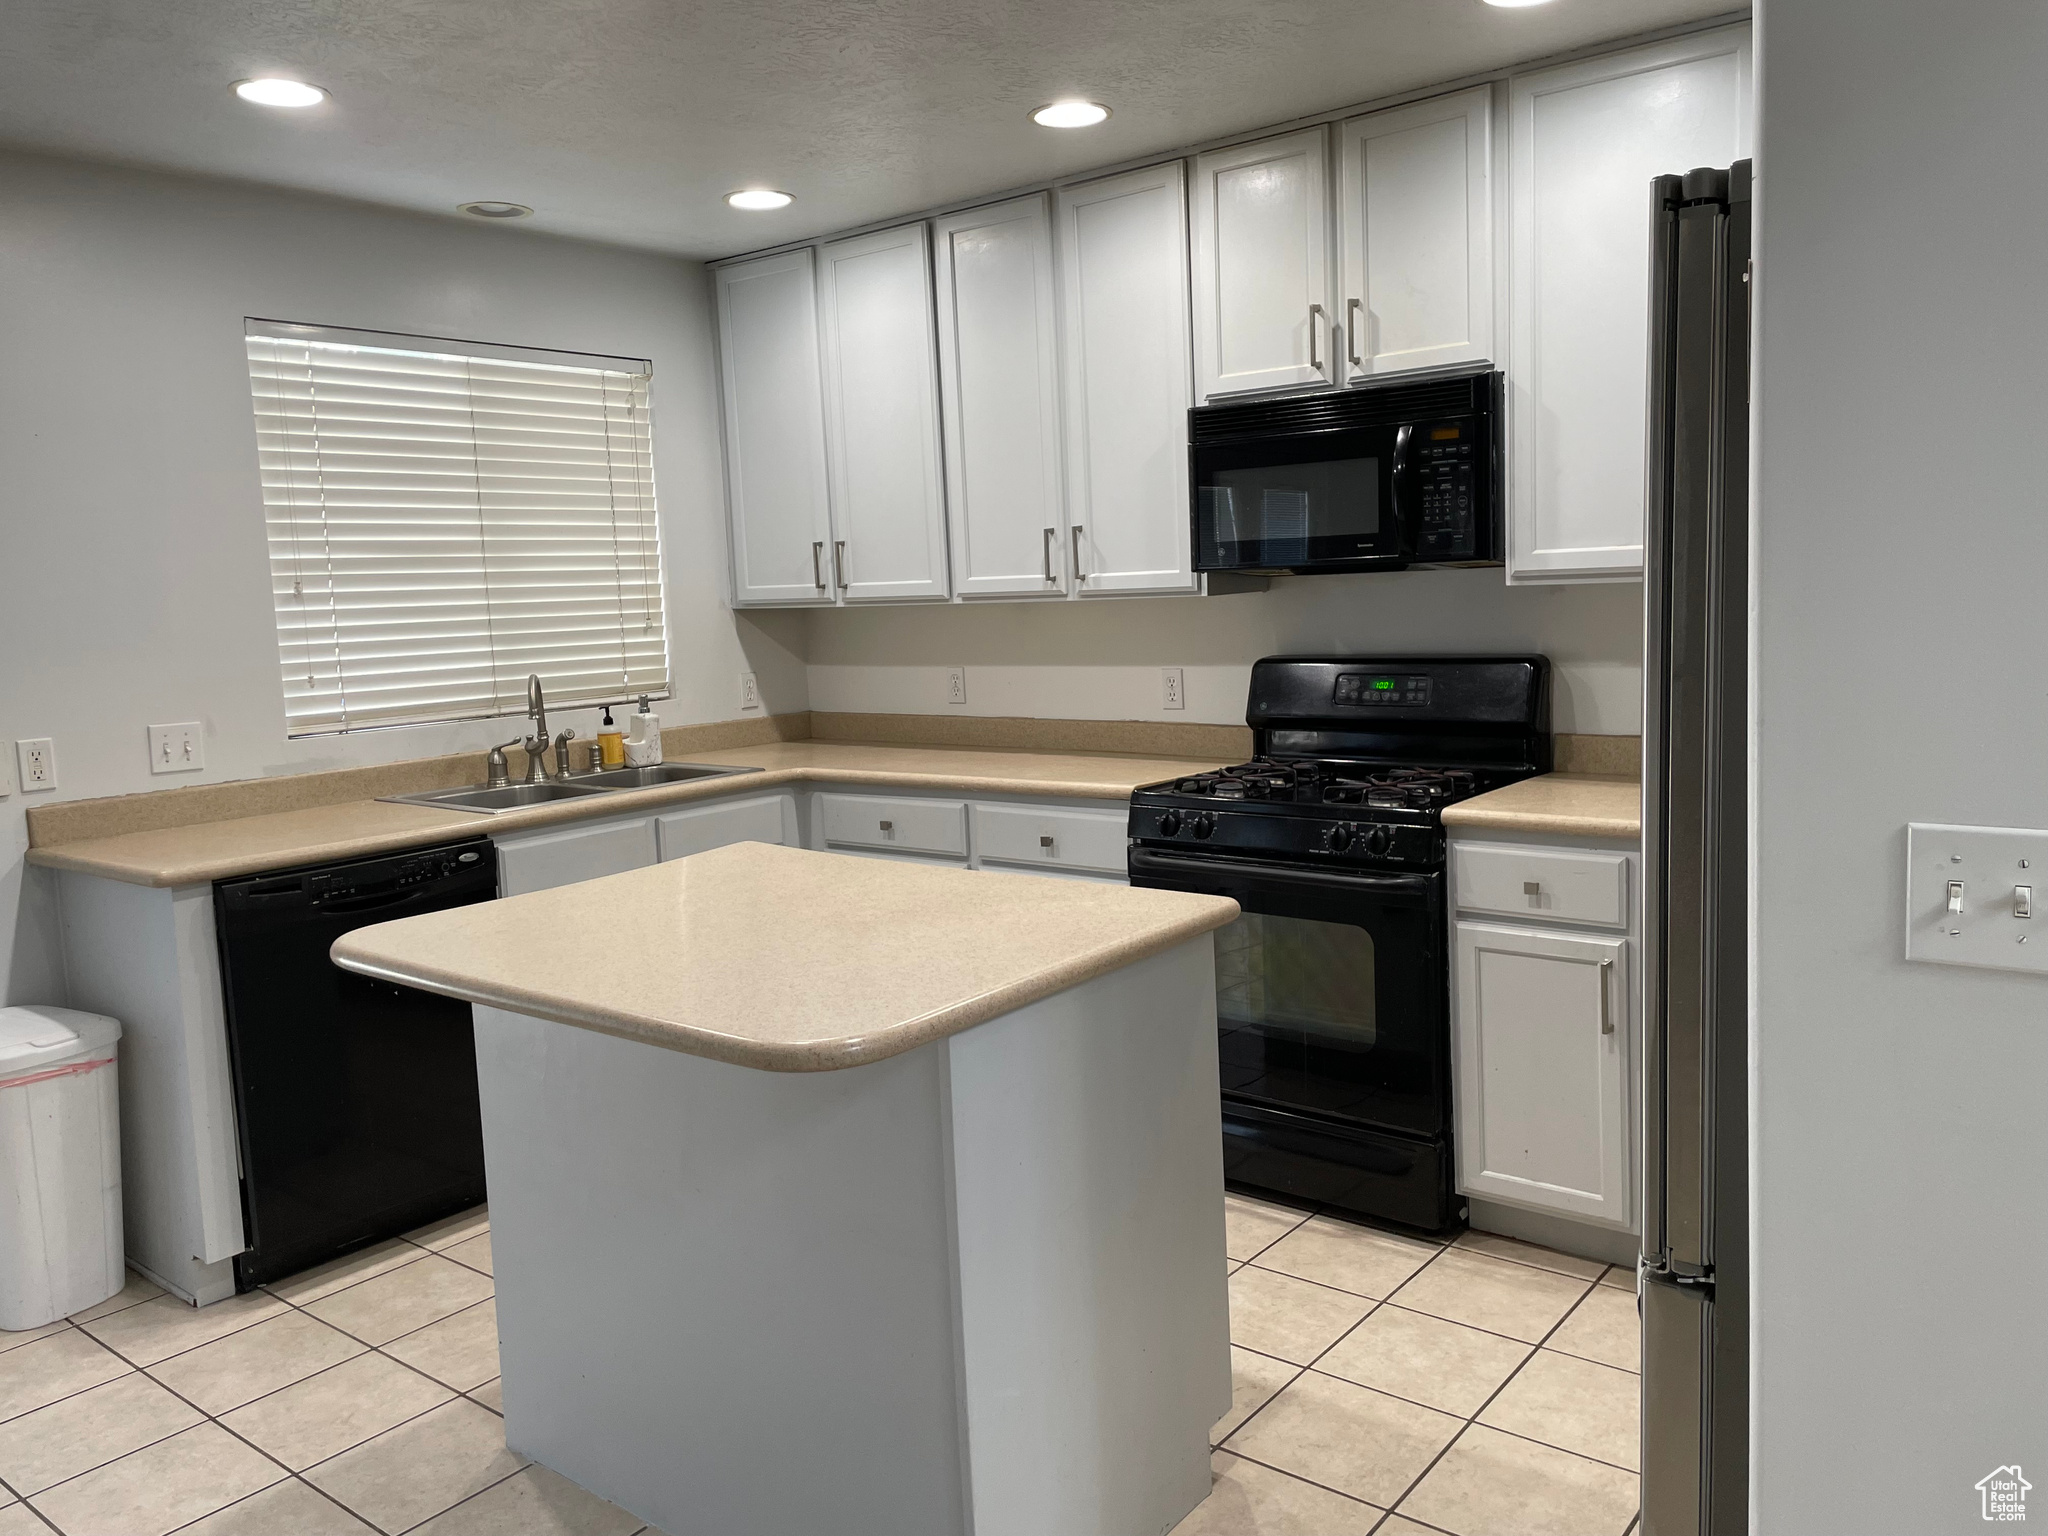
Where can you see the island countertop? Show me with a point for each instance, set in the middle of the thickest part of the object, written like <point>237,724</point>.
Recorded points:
<point>781,958</point>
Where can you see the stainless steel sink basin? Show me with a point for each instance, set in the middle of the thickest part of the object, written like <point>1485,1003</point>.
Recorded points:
<point>510,797</point>
<point>659,773</point>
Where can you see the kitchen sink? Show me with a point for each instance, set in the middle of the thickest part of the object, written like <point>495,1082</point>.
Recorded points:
<point>508,797</point>
<point>658,773</point>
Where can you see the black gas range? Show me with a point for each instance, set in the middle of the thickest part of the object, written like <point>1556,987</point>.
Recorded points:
<point>1333,987</point>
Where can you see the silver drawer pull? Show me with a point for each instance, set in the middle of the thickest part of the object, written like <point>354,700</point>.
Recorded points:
<point>1606,1013</point>
<point>888,826</point>
<point>1532,888</point>
<point>1051,534</point>
<point>1045,842</point>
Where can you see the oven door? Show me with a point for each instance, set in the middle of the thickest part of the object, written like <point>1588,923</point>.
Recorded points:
<point>1331,1007</point>
<point>1301,501</point>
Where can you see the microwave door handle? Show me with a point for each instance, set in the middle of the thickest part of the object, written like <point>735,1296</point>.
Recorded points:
<point>1406,534</point>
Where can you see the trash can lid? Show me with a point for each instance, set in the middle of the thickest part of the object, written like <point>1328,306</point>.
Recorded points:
<point>34,1038</point>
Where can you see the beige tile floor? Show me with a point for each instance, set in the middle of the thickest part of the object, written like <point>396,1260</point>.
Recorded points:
<point>1386,1385</point>
<point>1485,1388</point>
<point>355,1399</point>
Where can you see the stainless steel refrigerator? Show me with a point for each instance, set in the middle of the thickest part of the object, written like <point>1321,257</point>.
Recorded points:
<point>1695,1291</point>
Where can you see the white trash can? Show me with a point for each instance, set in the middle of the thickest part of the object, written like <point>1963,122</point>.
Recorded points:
<point>60,1164</point>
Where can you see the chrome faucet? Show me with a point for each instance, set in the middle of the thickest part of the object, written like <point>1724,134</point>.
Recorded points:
<point>536,745</point>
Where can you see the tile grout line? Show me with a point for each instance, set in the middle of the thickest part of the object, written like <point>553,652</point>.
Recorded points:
<point>1494,1394</point>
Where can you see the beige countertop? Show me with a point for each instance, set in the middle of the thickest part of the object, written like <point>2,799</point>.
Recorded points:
<point>1568,804</point>
<point>781,958</point>
<point>215,850</point>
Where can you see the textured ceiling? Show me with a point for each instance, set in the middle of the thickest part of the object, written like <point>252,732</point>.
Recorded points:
<point>628,120</point>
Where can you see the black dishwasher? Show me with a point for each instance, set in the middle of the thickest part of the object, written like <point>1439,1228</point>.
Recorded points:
<point>355,1099</point>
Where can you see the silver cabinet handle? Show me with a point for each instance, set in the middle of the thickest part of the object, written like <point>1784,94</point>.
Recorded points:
<point>1606,1011</point>
<point>890,826</point>
<point>839,562</point>
<point>1535,888</point>
<point>1315,324</point>
<point>1044,841</point>
<point>817,564</point>
<point>1050,535</point>
<point>1079,574</point>
<point>1351,332</point>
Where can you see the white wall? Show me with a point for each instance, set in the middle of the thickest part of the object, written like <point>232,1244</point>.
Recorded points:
<point>133,579</point>
<point>1101,660</point>
<point>1901,1125</point>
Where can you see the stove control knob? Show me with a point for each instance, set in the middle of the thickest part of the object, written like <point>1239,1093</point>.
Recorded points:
<point>1379,839</point>
<point>1202,824</point>
<point>1341,835</point>
<point>1169,823</point>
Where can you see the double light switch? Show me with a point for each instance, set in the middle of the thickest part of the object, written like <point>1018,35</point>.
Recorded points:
<point>1970,896</point>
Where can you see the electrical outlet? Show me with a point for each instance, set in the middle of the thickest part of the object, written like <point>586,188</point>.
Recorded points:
<point>956,685</point>
<point>1174,692</point>
<point>176,748</point>
<point>750,692</point>
<point>37,760</point>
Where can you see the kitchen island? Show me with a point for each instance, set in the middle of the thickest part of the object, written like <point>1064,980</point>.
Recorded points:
<point>849,1195</point>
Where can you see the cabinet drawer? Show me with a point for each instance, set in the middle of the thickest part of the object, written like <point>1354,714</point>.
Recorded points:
<point>757,819</point>
<point>894,826</point>
<point>1559,884</point>
<point>1097,841</point>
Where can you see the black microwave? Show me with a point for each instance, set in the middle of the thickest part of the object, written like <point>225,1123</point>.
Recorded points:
<point>1379,477</point>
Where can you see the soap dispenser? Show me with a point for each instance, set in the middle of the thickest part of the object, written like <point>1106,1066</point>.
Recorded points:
<point>611,745</point>
<point>643,741</point>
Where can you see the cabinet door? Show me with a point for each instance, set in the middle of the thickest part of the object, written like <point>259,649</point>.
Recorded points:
<point>882,416</point>
<point>699,828</point>
<point>1124,328</point>
<point>781,524</point>
<point>999,392</point>
<point>1415,227</point>
<point>548,859</point>
<point>1262,265</point>
<point>1542,1034</point>
<point>1585,141</point>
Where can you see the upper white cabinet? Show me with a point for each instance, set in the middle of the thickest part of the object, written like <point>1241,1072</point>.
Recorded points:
<point>882,416</point>
<point>999,377</point>
<point>774,430</point>
<point>1586,140</point>
<point>1123,243</point>
<point>1415,235</point>
<point>1263,298</point>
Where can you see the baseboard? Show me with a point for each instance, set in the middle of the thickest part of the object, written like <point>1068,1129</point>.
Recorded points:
<point>1581,1239</point>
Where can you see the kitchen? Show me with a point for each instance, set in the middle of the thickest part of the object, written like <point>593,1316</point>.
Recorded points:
<point>949,657</point>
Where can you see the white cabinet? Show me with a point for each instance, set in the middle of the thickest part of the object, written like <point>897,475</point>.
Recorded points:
<point>1048,840</point>
<point>1542,1092</point>
<point>1586,140</point>
<point>700,828</point>
<point>781,526</point>
<point>540,861</point>
<point>999,392</point>
<point>892,825</point>
<point>1263,299</point>
<point>882,416</point>
<point>1415,235</point>
<point>1123,244</point>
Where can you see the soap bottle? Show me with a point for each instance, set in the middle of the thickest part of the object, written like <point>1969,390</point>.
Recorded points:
<point>643,742</point>
<point>610,744</point>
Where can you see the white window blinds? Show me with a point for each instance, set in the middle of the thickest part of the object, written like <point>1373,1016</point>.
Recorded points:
<point>445,519</point>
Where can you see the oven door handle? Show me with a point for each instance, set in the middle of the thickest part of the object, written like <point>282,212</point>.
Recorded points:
<point>1204,873</point>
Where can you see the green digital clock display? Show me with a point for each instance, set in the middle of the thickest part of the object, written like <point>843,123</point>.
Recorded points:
<point>1382,684</point>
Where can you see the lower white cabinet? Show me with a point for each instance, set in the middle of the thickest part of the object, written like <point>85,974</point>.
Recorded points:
<point>700,828</point>
<point>891,825</point>
<point>540,861</point>
<point>1042,840</point>
<point>1542,1090</point>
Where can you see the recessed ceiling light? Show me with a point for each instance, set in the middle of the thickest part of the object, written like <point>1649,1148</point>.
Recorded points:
<point>1070,114</point>
<point>271,91</point>
<point>759,199</point>
<point>488,210</point>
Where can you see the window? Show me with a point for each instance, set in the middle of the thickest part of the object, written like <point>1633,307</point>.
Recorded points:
<point>446,518</point>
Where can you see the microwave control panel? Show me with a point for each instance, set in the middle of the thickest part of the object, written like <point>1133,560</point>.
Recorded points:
<point>1447,473</point>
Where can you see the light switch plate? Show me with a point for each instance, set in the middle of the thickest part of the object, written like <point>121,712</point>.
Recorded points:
<point>1965,890</point>
<point>177,748</point>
